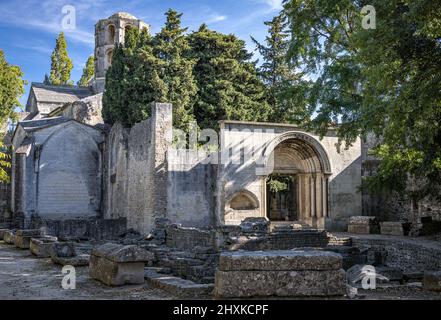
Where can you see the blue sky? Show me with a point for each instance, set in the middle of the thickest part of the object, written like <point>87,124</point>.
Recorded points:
<point>28,28</point>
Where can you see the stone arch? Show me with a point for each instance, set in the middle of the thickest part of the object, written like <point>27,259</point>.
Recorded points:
<point>314,155</point>
<point>110,34</point>
<point>109,56</point>
<point>243,200</point>
<point>240,205</point>
<point>69,174</point>
<point>301,158</point>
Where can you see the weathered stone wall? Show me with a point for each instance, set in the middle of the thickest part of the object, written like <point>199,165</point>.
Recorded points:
<point>87,110</point>
<point>406,254</point>
<point>57,173</point>
<point>187,238</point>
<point>190,188</point>
<point>136,170</point>
<point>341,182</point>
<point>393,206</point>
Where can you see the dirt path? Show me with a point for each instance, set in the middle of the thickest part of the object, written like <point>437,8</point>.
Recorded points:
<point>22,276</point>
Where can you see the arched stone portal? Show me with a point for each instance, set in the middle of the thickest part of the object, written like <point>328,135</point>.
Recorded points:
<point>297,168</point>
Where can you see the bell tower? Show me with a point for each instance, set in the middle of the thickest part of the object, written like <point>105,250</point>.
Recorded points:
<point>108,33</point>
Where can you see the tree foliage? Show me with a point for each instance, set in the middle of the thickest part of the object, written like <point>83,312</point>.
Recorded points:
<point>284,90</point>
<point>61,64</point>
<point>171,47</point>
<point>11,88</point>
<point>207,76</point>
<point>88,72</point>
<point>228,85</point>
<point>385,80</point>
<point>133,81</point>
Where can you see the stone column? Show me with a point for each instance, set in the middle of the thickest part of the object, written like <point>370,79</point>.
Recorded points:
<point>312,195</point>
<point>325,196</point>
<point>318,195</point>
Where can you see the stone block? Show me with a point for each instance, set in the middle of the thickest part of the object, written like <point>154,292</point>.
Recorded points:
<point>283,260</point>
<point>119,253</point>
<point>392,228</point>
<point>285,273</point>
<point>63,250</point>
<point>42,247</point>
<point>117,265</point>
<point>114,273</point>
<point>76,261</point>
<point>9,236</point>
<point>23,237</point>
<point>2,232</point>
<point>185,289</point>
<point>363,225</point>
<point>254,225</point>
<point>432,281</point>
<point>247,284</point>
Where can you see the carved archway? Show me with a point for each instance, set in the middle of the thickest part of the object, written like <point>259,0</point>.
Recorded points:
<point>300,156</point>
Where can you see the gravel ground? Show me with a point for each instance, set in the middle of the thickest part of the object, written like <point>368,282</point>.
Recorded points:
<point>22,276</point>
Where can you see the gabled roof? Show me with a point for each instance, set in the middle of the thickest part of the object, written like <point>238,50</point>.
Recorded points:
<point>59,94</point>
<point>29,125</point>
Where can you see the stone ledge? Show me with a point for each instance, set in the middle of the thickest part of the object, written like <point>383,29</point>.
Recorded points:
<point>283,260</point>
<point>247,284</point>
<point>177,286</point>
<point>42,247</point>
<point>77,261</point>
<point>119,253</point>
<point>9,236</point>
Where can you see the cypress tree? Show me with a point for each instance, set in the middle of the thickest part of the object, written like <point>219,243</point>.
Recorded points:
<point>61,64</point>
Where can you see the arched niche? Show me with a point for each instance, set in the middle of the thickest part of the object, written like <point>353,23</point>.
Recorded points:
<point>243,200</point>
<point>69,174</point>
<point>110,34</point>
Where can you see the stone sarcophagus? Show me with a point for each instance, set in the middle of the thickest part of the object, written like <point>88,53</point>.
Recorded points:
<point>392,228</point>
<point>363,225</point>
<point>9,236</point>
<point>117,265</point>
<point>23,237</point>
<point>245,274</point>
<point>42,247</point>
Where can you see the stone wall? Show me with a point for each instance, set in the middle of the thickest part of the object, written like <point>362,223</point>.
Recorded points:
<point>335,186</point>
<point>136,170</point>
<point>410,255</point>
<point>190,188</point>
<point>57,172</point>
<point>187,238</point>
<point>392,206</point>
<point>87,110</point>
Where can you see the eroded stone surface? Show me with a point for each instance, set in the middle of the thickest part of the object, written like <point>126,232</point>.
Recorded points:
<point>41,247</point>
<point>286,260</point>
<point>432,281</point>
<point>119,253</point>
<point>9,236</point>
<point>114,273</point>
<point>246,284</point>
<point>63,250</point>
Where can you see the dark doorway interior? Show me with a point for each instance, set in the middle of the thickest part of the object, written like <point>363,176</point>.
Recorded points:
<point>281,195</point>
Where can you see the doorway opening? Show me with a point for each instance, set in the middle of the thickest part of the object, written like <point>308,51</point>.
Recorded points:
<point>281,190</point>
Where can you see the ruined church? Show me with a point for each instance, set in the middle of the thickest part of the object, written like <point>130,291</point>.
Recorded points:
<point>73,174</point>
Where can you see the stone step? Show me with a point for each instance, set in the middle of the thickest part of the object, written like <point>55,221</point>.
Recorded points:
<point>182,288</point>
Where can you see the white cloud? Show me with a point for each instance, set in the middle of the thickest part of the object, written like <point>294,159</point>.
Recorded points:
<point>274,4</point>
<point>216,18</point>
<point>46,16</point>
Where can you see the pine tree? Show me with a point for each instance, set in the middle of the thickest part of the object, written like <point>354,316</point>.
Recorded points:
<point>283,90</point>
<point>229,87</point>
<point>171,46</point>
<point>61,64</point>
<point>88,72</point>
